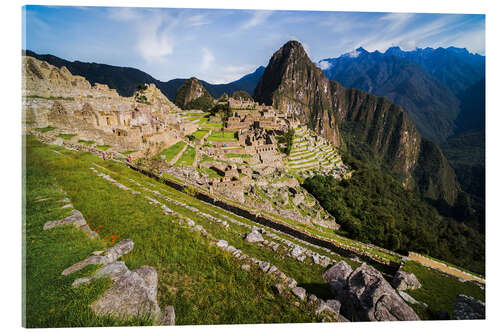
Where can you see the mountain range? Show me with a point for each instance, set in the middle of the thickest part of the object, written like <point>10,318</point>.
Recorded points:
<point>126,79</point>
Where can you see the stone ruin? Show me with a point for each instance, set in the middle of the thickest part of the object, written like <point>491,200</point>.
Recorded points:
<point>54,97</point>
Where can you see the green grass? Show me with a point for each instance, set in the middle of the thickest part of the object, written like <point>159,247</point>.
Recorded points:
<point>439,290</point>
<point>204,284</point>
<point>187,157</point>
<point>50,301</point>
<point>66,136</point>
<point>103,147</point>
<point>199,134</point>
<point>29,122</point>
<point>128,152</point>
<point>222,136</point>
<point>210,173</point>
<point>46,129</point>
<point>229,155</point>
<point>52,97</point>
<point>86,142</point>
<point>172,151</point>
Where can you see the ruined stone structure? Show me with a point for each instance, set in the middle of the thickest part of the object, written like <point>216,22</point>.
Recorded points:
<point>54,97</point>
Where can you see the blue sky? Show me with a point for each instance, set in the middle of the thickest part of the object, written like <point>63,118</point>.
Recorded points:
<point>222,45</point>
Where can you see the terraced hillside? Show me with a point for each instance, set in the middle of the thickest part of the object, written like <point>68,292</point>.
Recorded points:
<point>311,153</point>
<point>206,268</point>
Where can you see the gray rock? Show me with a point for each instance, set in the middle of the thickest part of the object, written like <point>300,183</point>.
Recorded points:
<point>67,206</point>
<point>272,269</point>
<point>121,248</point>
<point>278,288</point>
<point>338,272</point>
<point>312,298</point>
<point>301,258</point>
<point>407,298</point>
<point>230,249</point>
<point>367,296</point>
<point>291,283</point>
<point>254,236</point>
<point>222,243</point>
<point>113,270</point>
<point>297,251</point>
<point>299,292</point>
<point>264,266</point>
<point>466,307</point>
<point>80,281</point>
<point>168,316</point>
<point>75,219</point>
<point>331,306</point>
<point>405,281</point>
<point>131,294</point>
<point>92,260</point>
<point>245,267</point>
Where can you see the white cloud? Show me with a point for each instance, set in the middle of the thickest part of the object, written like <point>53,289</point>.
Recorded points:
<point>258,17</point>
<point>207,59</point>
<point>324,65</point>
<point>197,20</point>
<point>228,73</point>
<point>124,14</point>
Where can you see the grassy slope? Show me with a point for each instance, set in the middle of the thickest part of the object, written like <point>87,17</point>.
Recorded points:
<point>51,301</point>
<point>187,157</point>
<point>173,150</point>
<point>205,285</point>
<point>438,289</point>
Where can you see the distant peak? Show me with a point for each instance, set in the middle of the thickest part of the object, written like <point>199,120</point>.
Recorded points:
<point>355,53</point>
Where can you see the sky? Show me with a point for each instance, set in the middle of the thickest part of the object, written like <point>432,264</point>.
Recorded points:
<point>220,46</point>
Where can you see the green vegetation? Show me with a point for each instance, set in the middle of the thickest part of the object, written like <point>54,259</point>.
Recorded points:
<point>204,102</point>
<point>46,129</point>
<point>66,136</point>
<point>128,152</point>
<point>242,94</point>
<point>52,98</point>
<point>29,122</point>
<point>172,151</point>
<point>374,208</point>
<point>104,147</point>
<point>238,155</point>
<point>50,299</point>
<point>204,284</point>
<point>86,142</point>
<point>438,289</point>
<point>187,157</point>
<point>199,134</point>
<point>222,136</point>
<point>286,139</point>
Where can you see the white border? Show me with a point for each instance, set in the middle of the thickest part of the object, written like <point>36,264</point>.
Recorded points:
<point>11,142</point>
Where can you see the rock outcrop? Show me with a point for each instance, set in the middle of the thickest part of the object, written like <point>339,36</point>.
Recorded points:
<point>404,281</point>
<point>293,83</point>
<point>365,295</point>
<point>191,90</point>
<point>466,308</point>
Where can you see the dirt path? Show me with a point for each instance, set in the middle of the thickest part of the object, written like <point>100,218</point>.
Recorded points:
<point>442,267</point>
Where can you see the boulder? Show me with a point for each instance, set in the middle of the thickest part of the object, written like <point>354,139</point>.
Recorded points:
<point>121,248</point>
<point>168,316</point>
<point>222,243</point>
<point>338,272</point>
<point>405,281</point>
<point>264,266</point>
<point>367,296</point>
<point>331,306</point>
<point>254,236</point>
<point>300,293</point>
<point>466,307</point>
<point>131,294</point>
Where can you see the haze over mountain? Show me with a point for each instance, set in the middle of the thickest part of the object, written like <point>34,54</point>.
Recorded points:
<point>126,79</point>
